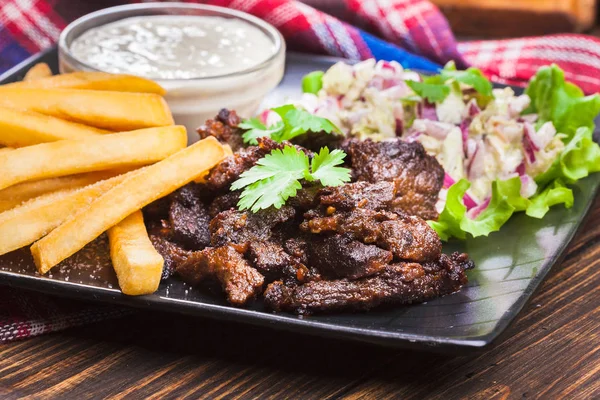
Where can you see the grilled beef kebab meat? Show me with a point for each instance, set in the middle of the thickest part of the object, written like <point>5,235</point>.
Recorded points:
<point>351,247</point>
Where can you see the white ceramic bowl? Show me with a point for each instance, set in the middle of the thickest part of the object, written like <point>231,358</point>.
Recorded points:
<point>192,101</point>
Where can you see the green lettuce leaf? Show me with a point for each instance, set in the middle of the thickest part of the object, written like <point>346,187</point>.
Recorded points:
<point>448,223</point>
<point>580,157</point>
<point>454,222</point>
<point>561,102</point>
<point>573,114</point>
<point>312,82</point>
<point>553,194</point>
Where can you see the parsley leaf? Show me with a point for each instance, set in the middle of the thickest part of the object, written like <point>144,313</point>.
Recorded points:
<point>273,179</point>
<point>256,129</point>
<point>436,88</point>
<point>433,92</point>
<point>294,122</point>
<point>298,122</point>
<point>471,76</point>
<point>276,177</point>
<point>324,167</point>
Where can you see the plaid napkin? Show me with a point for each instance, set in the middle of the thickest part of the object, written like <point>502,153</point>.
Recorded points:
<point>413,32</point>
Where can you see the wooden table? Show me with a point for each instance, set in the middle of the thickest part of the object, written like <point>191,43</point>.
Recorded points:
<point>551,351</point>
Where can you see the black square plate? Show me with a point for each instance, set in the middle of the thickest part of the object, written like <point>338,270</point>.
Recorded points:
<point>510,264</point>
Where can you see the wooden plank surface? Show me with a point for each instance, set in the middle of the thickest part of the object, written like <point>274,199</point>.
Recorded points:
<point>552,351</point>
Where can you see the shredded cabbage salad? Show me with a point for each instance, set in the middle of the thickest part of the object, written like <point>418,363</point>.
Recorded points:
<point>502,152</point>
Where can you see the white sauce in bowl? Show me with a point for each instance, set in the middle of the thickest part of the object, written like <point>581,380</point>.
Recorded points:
<point>205,62</point>
<point>174,46</point>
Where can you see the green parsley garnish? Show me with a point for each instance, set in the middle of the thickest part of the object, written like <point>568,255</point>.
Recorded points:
<point>471,76</point>
<point>276,177</point>
<point>294,122</point>
<point>436,88</point>
<point>433,92</point>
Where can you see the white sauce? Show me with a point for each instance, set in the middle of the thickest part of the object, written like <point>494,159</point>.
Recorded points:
<point>174,47</point>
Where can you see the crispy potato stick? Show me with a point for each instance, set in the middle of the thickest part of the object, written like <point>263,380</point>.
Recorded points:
<point>67,157</point>
<point>154,182</point>
<point>135,260</point>
<point>27,223</point>
<point>92,81</point>
<point>25,128</point>
<point>38,71</point>
<point>14,195</point>
<point>115,111</point>
<point>228,152</point>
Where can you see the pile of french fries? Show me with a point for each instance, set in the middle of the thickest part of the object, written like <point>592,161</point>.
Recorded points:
<point>81,154</point>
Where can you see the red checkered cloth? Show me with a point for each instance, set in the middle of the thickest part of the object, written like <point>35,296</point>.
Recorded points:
<point>355,29</point>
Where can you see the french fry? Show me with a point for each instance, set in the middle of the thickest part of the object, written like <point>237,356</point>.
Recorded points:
<point>92,81</point>
<point>137,263</point>
<point>38,71</point>
<point>14,195</point>
<point>32,220</point>
<point>135,192</point>
<point>115,111</point>
<point>24,128</point>
<point>67,157</point>
<point>5,149</point>
<point>202,178</point>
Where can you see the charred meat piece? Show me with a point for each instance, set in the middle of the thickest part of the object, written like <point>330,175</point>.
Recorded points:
<point>407,237</point>
<point>402,283</point>
<point>223,202</point>
<point>271,260</point>
<point>189,219</point>
<point>297,247</point>
<point>238,279</point>
<point>418,177</point>
<point>224,128</point>
<point>315,141</point>
<point>305,199</point>
<point>340,256</point>
<point>157,210</point>
<point>239,228</point>
<point>374,196</point>
<point>173,254</point>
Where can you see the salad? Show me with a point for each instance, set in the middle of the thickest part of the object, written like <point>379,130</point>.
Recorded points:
<point>501,152</point>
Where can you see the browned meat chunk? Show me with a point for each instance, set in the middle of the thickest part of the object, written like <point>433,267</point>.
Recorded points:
<point>402,283</point>
<point>297,247</point>
<point>407,237</point>
<point>305,199</point>
<point>170,252</point>
<point>269,259</point>
<point>238,279</point>
<point>374,196</point>
<point>223,202</point>
<point>273,262</point>
<point>340,256</point>
<point>189,219</point>
<point>418,177</point>
<point>224,128</point>
<point>157,210</point>
<point>239,228</point>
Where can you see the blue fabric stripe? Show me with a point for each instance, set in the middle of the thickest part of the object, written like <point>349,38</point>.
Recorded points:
<point>11,55</point>
<point>383,50</point>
